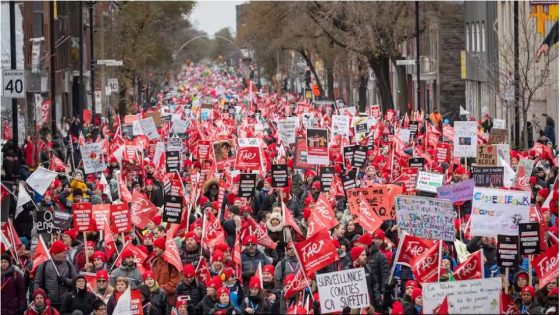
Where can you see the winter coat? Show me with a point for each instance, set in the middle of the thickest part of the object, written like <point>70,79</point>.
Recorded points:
<point>236,293</point>
<point>533,309</point>
<point>156,197</point>
<point>49,310</point>
<point>159,300</point>
<point>167,277</point>
<point>379,266</point>
<point>13,291</point>
<point>189,257</point>
<point>295,207</point>
<point>288,265</point>
<point>228,310</point>
<point>263,201</point>
<point>130,272</point>
<point>194,292</point>
<point>373,285</point>
<point>205,305</point>
<point>251,263</point>
<point>77,300</point>
<point>549,130</point>
<point>489,251</point>
<point>46,278</point>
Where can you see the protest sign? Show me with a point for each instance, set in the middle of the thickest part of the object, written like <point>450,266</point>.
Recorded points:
<point>425,217</point>
<point>316,252</point>
<point>174,144</point>
<point>359,156</point>
<point>120,218</point>
<point>428,182</point>
<point>413,127</point>
<point>172,209</point>
<point>179,126</point>
<point>62,220</point>
<point>375,111</point>
<point>348,152</point>
<point>326,177</point>
<point>287,129</point>
<point>92,157</point>
<point>525,166</point>
<point>173,161</point>
<point>203,149</point>
<point>499,124</point>
<point>487,155</point>
<point>341,289</point>
<point>301,160</point>
<point>529,238</point>
<point>377,197</point>
<point>101,213</point>
<point>148,128</point>
<point>442,152</point>
<point>408,178</point>
<point>461,191</point>
<point>496,211</point>
<point>247,184</point>
<point>156,116</point>
<point>248,154</point>
<point>546,266</point>
<point>507,252</point>
<point>348,182</point>
<point>317,146</point>
<point>465,139</point>
<point>360,125</point>
<point>44,221</point>
<point>223,153</point>
<point>416,162</point>
<point>498,136</point>
<point>481,296</point>
<point>82,216</point>
<point>488,176</point>
<point>279,175</point>
<point>340,126</point>
<point>404,135</point>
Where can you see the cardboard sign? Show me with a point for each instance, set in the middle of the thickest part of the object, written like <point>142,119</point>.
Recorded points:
<point>340,126</point>
<point>416,162</point>
<point>101,213</point>
<point>498,136</point>
<point>461,191</point>
<point>348,152</point>
<point>120,218</point>
<point>247,184</point>
<point>44,221</point>
<point>92,157</point>
<point>203,149</point>
<point>481,296</point>
<point>529,238</point>
<point>173,161</point>
<point>442,152</point>
<point>359,156</point>
<point>287,129</point>
<point>377,197</point>
<point>465,139</point>
<point>248,154</point>
<point>317,146</point>
<point>485,176</point>
<point>496,211</point>
<point>429,218</point>
<point>279,175</point>
<point>326,177</point>
<point>62,220</point>
<point>487,155</point>
<point>429,182</point>
<point>82,216</point>
<point>507,252</point>
<point>172,209</point>
<point>156,116</point>
<point>341,289</point>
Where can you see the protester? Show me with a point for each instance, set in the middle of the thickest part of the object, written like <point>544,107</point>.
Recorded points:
<point>40,304</point>
<point>79,298</point>
<point>121,284</point>
<point>13,288</point>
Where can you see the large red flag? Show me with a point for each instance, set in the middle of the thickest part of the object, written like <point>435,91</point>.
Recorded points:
<point>236,257</point>
<point>290,221</point>
<point>110,245</point>
<point>41,254</point>
<point>425,267</point>
<point>141,210</point>
<point>316,252</point>
<point>507,305</point>
<point>546,265</point>
<point>323,217</point>
<point>367,218</point>
<point>253,228</point>
<point>470,269</point>
<point>410,247</point>
<point>171,253</point>
<point>296,285</point>
<point>213,232</point>
<point>202,273</point>
<point>139,255</point>
<point>126,196</point>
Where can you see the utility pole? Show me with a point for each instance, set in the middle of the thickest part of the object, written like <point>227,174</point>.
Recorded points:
<point>81,51</point>
<point>517,127</point>
<point>417,5</point>
<point>52,65</point>
<point>91,58</point>
<point>13,60</point>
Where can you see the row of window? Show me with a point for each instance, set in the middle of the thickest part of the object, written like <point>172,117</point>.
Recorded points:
<point>475,36</point>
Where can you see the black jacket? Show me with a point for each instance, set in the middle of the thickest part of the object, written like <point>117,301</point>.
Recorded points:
<point>205,305</point>
<point>489,251</point>
<point>77,300</point>
<point>194,292</point>
<point>379,266</point>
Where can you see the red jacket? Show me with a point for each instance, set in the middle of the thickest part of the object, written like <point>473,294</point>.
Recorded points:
<point>47,311</point>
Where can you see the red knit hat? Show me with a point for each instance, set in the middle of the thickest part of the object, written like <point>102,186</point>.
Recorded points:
<point>58,247</point>
<point>255,283</point>
<point>222,290</point>
<point>411,283</point>
<point>157,220</point>
<point>180,302</point>
<point>289,278</point>
<point>415,293</point>
<point>72,233</point>
<point>102,274</point>
<point>528,289</point>
<point>148,274</point>
<point>149,181</point>
<point>379,234</point>
<point>252,239</point>
<point>316,185</point>
<point>99,254</point>
<point>223,247</point>
<point>366,239</point>
<point>192,235</point>
<point>268,268</point>
<point>355,252</point>
<point>217,256</point>
<point>189,271</point>
<point>160,243</point>
<point>126,253</point>
<point>215,283</point>
<point>543,193</point>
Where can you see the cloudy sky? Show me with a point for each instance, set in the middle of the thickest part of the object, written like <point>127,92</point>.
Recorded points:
<point>211,16</point>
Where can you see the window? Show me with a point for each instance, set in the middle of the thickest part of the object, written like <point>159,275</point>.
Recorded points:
<point>477,36</point>
<point>483,35</point>
<point>467,35</point>
<point>473,37</point>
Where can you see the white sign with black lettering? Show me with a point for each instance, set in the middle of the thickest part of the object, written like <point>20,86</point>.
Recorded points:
<point>341,289</point>
<point>13,83</point>
<point>481,296</point>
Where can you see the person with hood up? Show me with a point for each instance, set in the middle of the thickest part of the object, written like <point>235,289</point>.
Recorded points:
<point>224,306</point>
<point>255,303</point>
<point>78,299</point>
<point>127,270</point>
<point>190,288</point>
<point>40,305</point>
<point>275,226</point>
<point>211,189</point>
<point>166,275</point>
<point>156,296</point>
<point>551,304</point>
<point>13,288</point>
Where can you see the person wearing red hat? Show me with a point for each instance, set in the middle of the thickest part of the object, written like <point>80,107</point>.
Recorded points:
<point>255,303</point>
<point>98,262</point>
<point>358,254</point>
<point>41,304</point>
<point>157,296</point>
<point>181,307</point>
<point>384,248</point>
<point>216,263</point>
<point>377,260</point>
<point>190,250</point>
<point>190,288</point>
<point>251,257</point>
<point>551,303</point>
<point>224,305</point>
<point>127,270</point>
<point>529,304</point>
<point>416,305</point>
<point>154,193</point>
<point>167,275</point>
<point>102,289</point>
<point>80,258</point>
<point>210,299</point>
<point>56,282</point>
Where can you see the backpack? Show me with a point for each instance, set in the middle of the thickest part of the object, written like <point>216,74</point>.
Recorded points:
<point>43,286</point>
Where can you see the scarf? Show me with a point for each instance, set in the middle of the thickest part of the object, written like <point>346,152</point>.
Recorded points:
<point>155,288</point>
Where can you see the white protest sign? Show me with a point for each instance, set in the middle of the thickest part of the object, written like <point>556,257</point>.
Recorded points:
<point>179,126</point>
<point>496,211</point>
<point>287,129</point>
<point>149,128</point>
<point>404,135</point>
<point>465,139</point>
<point>341,289</point>
<point>499,124</point>
<point>360,125</point>
<point>340,126</point>
<point>428,182</point>
<point>425,217</point>
<point>92,157</point>
<point>480,296</point>
<point>136,128</point>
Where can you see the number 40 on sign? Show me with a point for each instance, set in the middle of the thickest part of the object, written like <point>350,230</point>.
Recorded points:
<point>13,83</point>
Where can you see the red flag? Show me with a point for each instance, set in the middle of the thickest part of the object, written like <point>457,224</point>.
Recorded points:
<point>323,219</point>
<point>126,196</point>
<point>139,255</point>
<point>546,265</point>
<point>296,285</point>
<point>202,273</point>
<point>171,253</point>
<point>471,268</point>
<point>236,257</point>
<point>425,267</point>
<point>443,308</point>
<point>41,254</point>
<point>316,252</point>
<point>141,210</point>
<point>253,228</point>
<point>410,247</point>
<point>110,245</point>
<point>290,221</point>
<point>91,280</point>
<point>56,164</point>
<point>522,180</point>
<point>213,232</point>
<point>507,305</point>
<point>10,234</point>
<point>367,218</point>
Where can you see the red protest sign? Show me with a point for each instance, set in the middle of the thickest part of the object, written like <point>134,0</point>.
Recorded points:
<point>470,269</point>
<point>101,213</point>
<point>248,154</point>
<point>425,266</point>
<point>82,214</point>
<point>120,218</point>
<point>376,196</point>
<point>141,210</point>
<point>367,217</point>
<point>316,252</point>
<point>442,152</point>
<point>410,247</point>
<point>203,149</point>
<point>546,266</point>
<point>323,218</point>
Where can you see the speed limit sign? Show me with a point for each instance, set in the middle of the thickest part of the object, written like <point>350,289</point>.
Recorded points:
<point>13,83</point>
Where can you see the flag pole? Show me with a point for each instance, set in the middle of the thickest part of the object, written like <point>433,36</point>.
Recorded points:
<point>118,255</point>
<point>439,259</point>
<point>48,254</point>
<point>393,266</point>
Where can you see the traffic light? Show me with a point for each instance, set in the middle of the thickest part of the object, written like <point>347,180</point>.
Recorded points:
<point>316,90</point>
<point>307,78</point>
